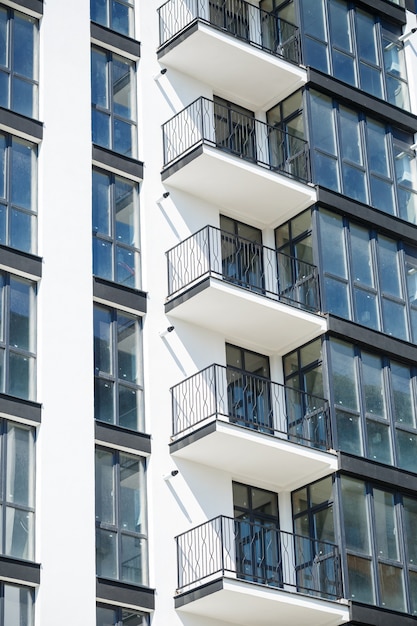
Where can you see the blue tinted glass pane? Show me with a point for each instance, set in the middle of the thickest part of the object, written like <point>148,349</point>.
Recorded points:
<point>127,348</point>
<point>105,487</point>
<point>120,18</point>
<point>3,37</point>
<point>99,87</point>
<point>392,587</point>
<point>4,90</point>
<point>398,93</point>
<point>106,554</point>
<point>343,67</point>
<point>362,266</point>
<point>126,214</point>
<point>366,308</point>
<point>125,267</point>
<point>22,97</point>
<point>20,314</point>
<point>101,203</point>
<point>106,617</point>
<point>103,401</point>
<point>19,531</point>
<point>21,230</point>
<point>388,267</point>
<point>101,128</point>
<point>129,504</point>
<point>129,403</point>
<point>413,591</point>
<point>403,396</point>
<point>393,315</point>
<point>3,235</point>
<point>354,183</point>
<point>314,18</point>
<point>340,25</point>
<point>373,385</point>
<point>344,375</point>
<point>18,605</point>
<point>377,148</point>
<point>122,90</point>
<point>407,450</point>
<point>22,181</point>
<point>326,171</point>
<point>350,136</point>
<point>348,432</point>
<point>316,54</point>
<point>2,166</point>
<point>337,298</point>
<point>122,140</point>
<point>98,12</point>
<point>382,195</point>
<point>131,559</point>
<point>102,258</point>
<point>102,340</point>
<point>370,80</point>
<point>23,48</point>
<point>21,372</point>
<point>366,40</point>
<point>360,580</point>
<point>379,444</point>
<point>324,133</point>
<point>407,205</point>
<point>355,514</point>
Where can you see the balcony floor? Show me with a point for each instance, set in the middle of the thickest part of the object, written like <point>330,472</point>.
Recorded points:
<point>246,604</point>
<point>254,455</point>
<point>234,68</point>
<point>236,313</point>
<point>246,189</point>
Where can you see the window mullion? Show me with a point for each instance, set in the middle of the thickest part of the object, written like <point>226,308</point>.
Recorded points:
<point>116,461</point>
<point>115,366</point>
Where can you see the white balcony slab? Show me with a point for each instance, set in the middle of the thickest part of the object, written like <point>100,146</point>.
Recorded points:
<point>249,319</point>
<point>250,191</point>
<point>235,69</point>
<point>246,604</point>
<point>257,456</point>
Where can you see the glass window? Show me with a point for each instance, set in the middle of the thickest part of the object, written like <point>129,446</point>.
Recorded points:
<point>17,491</point>
<point>115,14</point>
<point>18,180</point>
<point>356,47</point>
<point>118,395</point>
<point>121,539</point>
<point>16,605</point>
<point>116,229</point>
<point>18,62</point>
<point>113,102</point>
<point>17,340</point>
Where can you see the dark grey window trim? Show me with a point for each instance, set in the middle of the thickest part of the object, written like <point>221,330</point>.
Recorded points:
<point>379,220</point>
<point>125,594</point>
<point>122,437</point>
<point>388,476</point>
<point>19,570</point>
<point>27,264</point>
<point>389,346</point>
<point>113,294</point>
<point>372,616</point>
<point>25,126</point>
<point>360,100</point>
<point>31,5</point>
<point>123,165</point>
<point>115,41</point>
<point>24,409</point>
<point>385,9</point>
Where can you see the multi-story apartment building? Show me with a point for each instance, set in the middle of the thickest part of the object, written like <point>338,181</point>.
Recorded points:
<point>210,207</point>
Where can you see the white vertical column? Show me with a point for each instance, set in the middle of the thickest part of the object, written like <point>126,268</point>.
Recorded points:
<point>65,448</point>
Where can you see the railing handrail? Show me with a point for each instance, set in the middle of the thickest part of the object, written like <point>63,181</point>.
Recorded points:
<point>220,392</point>
<point>239,238</point>
<point>198,16</point>
<point>248,523</point>
<point>282,559</point>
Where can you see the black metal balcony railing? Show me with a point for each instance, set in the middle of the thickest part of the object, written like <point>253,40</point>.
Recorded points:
<point>211,123</point>
<point>240,19</point>
<point>219,254</point>
<point>250,401</point>
<point>258,552</point>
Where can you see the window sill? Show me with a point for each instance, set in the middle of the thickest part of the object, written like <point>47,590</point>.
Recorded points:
<point>118,163</point>
<point>20,570</point>
<point>20,125</point>
<point>119,437</point>
<point>25,410</point>
<point>21,263</point>
<point>125,594</point>
<point>116,42</point>
<point>119,296</point>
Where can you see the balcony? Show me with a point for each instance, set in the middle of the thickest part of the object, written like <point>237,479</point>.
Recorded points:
<point>232,160</point>
<point>253,573</point>
<point>244,53</point>
<point>223,282</point>
<point>252,427</point>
